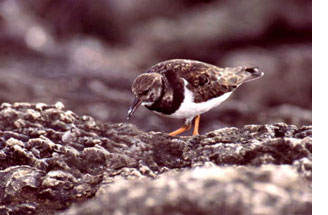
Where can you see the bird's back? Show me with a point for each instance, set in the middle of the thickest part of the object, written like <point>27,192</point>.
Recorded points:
<point>206,81</point>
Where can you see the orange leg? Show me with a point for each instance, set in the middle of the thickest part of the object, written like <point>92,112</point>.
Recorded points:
<point>196,127</point>
<point>187,126</point>
<point>180,130</point>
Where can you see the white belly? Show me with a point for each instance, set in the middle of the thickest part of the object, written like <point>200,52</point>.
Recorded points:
<point>190,109</point>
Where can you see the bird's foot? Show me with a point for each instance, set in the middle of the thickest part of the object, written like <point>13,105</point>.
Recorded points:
<point>180,130</point>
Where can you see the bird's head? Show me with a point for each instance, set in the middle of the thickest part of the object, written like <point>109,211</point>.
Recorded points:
<point>147,89</point>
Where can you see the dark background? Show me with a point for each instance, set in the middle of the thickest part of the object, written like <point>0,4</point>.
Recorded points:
<point>87,53</point>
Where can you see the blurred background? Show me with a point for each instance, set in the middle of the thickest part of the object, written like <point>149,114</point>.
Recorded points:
<point>87,53</point>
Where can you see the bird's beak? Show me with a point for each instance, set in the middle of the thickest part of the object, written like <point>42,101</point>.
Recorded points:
<point>136,103</point>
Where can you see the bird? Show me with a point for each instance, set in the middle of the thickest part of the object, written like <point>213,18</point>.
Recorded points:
<point>185,89</point>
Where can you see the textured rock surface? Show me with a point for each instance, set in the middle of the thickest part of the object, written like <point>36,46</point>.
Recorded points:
<point>232,190</point>
<point>51,157</point>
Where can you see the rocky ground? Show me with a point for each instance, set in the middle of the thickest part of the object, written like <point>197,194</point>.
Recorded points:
<point>54,161</point>
<point>255,152</point>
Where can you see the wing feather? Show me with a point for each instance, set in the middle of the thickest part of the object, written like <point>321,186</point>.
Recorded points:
<point>206,81</point>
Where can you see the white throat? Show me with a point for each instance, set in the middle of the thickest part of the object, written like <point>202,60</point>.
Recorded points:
<point>147,103</point>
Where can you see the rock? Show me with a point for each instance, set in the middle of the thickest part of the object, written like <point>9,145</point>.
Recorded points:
<point>268,189</point>
<point>52,158</point>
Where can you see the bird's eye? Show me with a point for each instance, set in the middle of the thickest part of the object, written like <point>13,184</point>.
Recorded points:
<point>145,92</point>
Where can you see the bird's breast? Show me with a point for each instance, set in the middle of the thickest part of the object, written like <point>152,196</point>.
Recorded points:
<point>189,108</point>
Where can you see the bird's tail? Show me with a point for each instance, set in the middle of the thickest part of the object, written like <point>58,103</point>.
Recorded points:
<point>253,73</point>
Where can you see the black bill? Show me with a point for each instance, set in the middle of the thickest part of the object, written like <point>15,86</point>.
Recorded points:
<point>136,103</point>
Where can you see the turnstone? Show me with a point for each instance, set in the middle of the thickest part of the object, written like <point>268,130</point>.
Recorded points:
<point>185,89</point>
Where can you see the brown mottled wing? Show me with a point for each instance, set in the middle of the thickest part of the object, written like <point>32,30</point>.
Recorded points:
<point>207,81</point>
